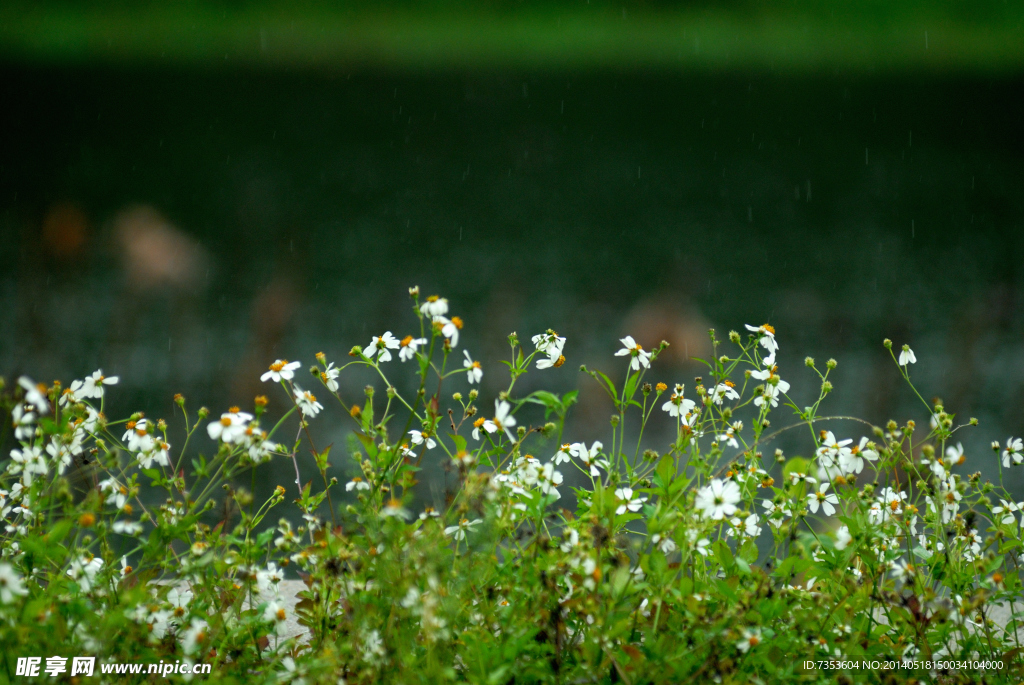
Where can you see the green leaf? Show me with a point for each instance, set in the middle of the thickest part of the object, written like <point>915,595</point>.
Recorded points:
<point>608,385</point>
<point>460,442</point>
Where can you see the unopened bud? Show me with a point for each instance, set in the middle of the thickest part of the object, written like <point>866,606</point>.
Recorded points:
<point>521,432</point>
<point>473,394</point>
<point>414,291</point>
<point>831,364</point>
<point>734,337</point>
<point>368,390</point>
<point>513,339</point>
<point>887,344</point>
<point>457,397</point>
<point>809,362</point>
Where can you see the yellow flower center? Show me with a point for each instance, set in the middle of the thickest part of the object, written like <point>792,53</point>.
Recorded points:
<point>457,321</point>
<point>406,340</point>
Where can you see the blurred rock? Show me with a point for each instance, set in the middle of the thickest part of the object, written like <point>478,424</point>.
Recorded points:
<point>157,253</point>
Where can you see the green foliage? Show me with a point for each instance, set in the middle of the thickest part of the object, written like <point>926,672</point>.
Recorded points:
<point>662,570</point>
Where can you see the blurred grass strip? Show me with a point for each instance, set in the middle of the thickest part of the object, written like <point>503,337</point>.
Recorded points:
<point>322,36</point>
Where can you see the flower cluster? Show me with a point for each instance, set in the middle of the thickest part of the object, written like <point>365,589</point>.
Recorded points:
<point>645,551</point>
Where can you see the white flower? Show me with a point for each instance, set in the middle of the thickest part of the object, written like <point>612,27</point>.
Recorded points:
<point>110,486</point>
<point>843,537</point>
<point>907,356</point>
<point>330,377</point>
<point>306,401</point>
<point>572,539</point>
<point>550,344</point>
<point>139,436</point>
<point>459,531</point>
<point>751,638</point>
<point>718,499</point>
<point>852,460</point>
<point>666,544</point>
<point>723,391</point>
<point>776,513</point>
<point>747,526</point>
<point>179,599</point>
<point>84,569</point>
<point>950,498</point>
<point>474,373</point>
<point>628,502</point>
<point>269,579</point>
<point>92,386</point>
<point>729,436</point>
<point>230,428</point>
<point>260,449</point>
<point>63,448</point>
<point>281,369</point>
<point>275,613</point>
<point>418,438</point>
<point>1014,452</point>
<point>772,391</point>
<point>380,346</point>
<point>195,636</point>
<point>677,405</point>
<point>1007,509</point>
<point>632,348</point>
<point>10,584</point>
<point>357,484</point>
<point>590,457</point>
<point>449,328</point>
<point>35,395</point>
<point>549,479</point>
<point>766,336</point>
<point>159,451</point>
<point>434,306</point>
<point>123,527</point>
<point>29,460</point>
<point>503,419</point>
<point>562,456</point>
<point>70,394</point>
<point>825,501</point>
<point>409,346</point>
<point>23,418</point>
<point>125,568</point>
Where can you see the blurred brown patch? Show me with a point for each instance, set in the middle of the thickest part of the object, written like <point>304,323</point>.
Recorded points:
<point>65,230</point>
<point>158,254</point>
<point>664,317</point>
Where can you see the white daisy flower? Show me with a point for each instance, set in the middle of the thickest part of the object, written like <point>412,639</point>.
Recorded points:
<point>766,337</point>
<point>230,427</point>
<point>1014,452</point>
<point>907,356</point>
<point>629,503</point>
<point>418,438</point>
<point>434,306</point>
<point>306,401</point>
<point>825,501</point>
<point>92,386</point>
<point>10,584</point>
<point>751,638</point>
<point>633,349</point>
<point>474,372</point>
<point>281,369</point>
<point>718,499</point>
<point>409,346</point>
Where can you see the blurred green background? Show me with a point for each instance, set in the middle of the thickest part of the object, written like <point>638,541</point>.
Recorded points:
<point>190,190</point>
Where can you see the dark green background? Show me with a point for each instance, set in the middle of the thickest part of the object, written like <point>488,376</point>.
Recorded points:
<point>600,190</point>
